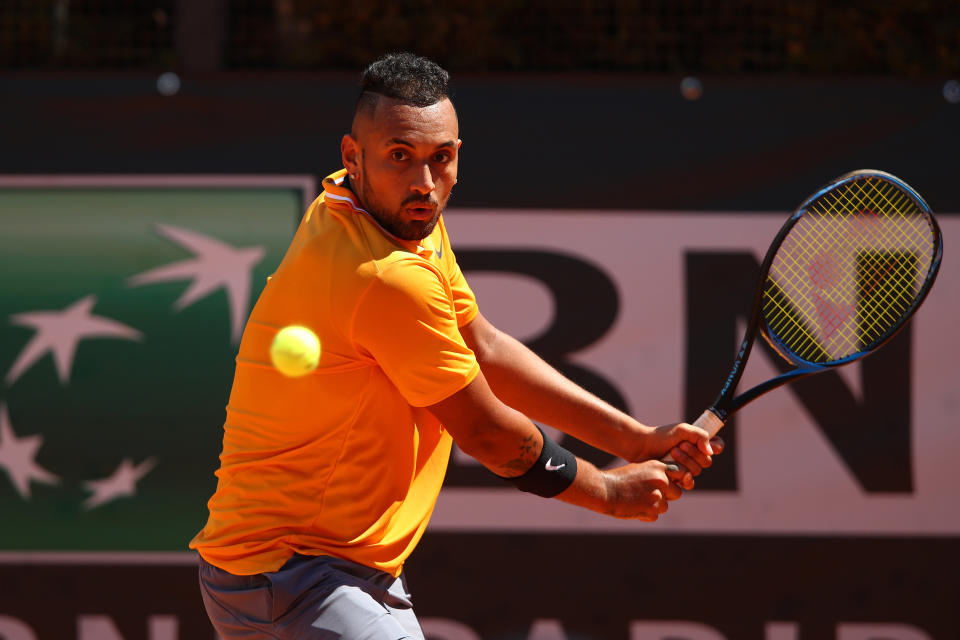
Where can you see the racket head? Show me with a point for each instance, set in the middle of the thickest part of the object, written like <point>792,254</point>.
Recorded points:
<point>848,270</point>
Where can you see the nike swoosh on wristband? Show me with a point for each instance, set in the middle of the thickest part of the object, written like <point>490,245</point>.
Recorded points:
<point>550,467</point>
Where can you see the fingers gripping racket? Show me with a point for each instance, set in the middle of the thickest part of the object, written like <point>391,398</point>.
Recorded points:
<point>843,276</point>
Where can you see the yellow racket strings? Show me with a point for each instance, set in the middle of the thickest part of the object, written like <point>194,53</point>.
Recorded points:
<point>848,270</point>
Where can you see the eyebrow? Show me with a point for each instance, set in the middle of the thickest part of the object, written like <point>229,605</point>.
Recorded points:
<point>405,143</point>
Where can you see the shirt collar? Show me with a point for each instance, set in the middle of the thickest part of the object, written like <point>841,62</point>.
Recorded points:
<point>339,196</point>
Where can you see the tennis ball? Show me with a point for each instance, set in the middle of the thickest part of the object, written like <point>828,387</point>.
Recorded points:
<point>295,351</point>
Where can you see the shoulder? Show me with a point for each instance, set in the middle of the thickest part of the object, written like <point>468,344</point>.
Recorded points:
<point>407,288</point>
<point>407,274</point>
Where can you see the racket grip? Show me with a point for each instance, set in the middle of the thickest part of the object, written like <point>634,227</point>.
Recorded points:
<point>709,422</point>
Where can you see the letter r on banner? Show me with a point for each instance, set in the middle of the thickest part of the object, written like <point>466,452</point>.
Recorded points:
<point>875,631</point>
<point>672,630</point>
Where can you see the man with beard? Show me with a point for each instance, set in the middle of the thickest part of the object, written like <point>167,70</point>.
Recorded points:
<point>327,481</point>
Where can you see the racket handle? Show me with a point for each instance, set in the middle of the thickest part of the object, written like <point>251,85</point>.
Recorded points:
<point>709,422</point>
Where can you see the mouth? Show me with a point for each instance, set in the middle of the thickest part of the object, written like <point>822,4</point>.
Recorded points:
<point>420,212</point>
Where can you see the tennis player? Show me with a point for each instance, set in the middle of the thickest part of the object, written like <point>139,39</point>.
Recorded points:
<point>327,481</point>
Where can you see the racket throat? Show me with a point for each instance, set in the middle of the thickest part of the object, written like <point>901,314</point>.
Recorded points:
<point>752,394</point>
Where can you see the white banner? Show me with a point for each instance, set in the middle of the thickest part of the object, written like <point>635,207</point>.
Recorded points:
<point>790,480</point>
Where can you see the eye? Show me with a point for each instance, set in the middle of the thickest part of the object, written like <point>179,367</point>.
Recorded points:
<point>398,155</point>
<point>443,157</point>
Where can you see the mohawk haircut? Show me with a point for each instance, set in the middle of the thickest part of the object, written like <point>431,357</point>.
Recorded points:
<point>406,77</point>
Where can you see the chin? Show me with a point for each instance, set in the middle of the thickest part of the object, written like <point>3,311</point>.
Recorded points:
<point>429,227</point>
<point>418,230</point>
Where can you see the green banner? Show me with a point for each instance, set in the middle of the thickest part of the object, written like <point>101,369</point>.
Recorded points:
<point>121,310</point>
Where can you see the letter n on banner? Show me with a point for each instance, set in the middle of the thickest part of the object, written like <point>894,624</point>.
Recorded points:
<point>719,293</point>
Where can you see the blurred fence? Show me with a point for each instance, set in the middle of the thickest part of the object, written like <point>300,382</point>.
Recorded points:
<point>902,37</point>
<point>93,34</point>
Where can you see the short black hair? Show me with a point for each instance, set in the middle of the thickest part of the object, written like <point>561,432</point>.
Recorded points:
<point>406,77</point>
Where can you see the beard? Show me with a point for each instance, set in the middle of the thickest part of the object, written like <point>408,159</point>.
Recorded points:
<point>395,222</point>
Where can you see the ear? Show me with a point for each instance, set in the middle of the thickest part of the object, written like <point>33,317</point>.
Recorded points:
<point>350,154</point>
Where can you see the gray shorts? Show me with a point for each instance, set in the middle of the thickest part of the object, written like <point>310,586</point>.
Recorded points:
<point>309,597</point>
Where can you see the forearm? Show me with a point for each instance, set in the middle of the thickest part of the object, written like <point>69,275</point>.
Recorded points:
<point>506,442</point>
<point>507,447</point>
<point>524,381</point>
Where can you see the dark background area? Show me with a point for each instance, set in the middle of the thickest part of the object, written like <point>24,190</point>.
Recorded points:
<point>563,104</point>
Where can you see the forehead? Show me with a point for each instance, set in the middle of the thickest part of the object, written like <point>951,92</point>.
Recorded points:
<point>432,125</point>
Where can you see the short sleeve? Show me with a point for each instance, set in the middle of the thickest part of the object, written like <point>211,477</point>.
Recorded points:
<point>408,323</point>
<point>464,301</point>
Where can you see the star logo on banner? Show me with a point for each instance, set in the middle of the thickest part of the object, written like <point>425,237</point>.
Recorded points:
<point>59,332</point>
<point>18,457</point>
<point>211,265</point>
<point>121,484</point>
<point>215,265</point>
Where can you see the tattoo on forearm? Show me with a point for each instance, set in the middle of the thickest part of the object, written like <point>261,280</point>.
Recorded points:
<point>527,456</point>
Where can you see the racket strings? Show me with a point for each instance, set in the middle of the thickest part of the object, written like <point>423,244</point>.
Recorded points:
<point>877,270</point>
<point>885,294</point>
<point>848,271</point>
<point>832,311</point>
<point>831,319</point>
<point>875,312</point>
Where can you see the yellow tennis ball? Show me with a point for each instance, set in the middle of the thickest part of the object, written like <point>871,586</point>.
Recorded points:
<point>295,351</point>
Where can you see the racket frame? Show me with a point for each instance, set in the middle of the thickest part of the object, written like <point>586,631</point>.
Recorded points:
<point>725,403</point>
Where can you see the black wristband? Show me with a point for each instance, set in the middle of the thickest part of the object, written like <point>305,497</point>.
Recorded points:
<point>552,473</point>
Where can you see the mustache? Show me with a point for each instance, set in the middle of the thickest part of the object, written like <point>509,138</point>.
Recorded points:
<point>419,199</point>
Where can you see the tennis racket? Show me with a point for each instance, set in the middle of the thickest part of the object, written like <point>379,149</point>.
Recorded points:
<point>843,276</point>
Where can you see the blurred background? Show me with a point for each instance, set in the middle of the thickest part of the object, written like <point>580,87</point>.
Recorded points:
<point>138,139</point>
<point>915,39</point>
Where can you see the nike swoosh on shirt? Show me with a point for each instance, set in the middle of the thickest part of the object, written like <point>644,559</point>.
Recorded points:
<point>550,467</point>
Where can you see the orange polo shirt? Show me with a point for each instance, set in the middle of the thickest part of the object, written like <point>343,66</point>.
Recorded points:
<point>344,461</point>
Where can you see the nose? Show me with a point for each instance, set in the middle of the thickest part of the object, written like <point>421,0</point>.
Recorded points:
<point>423,180</point>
